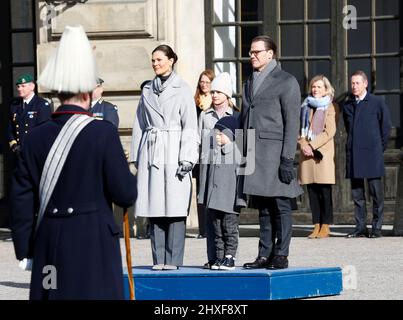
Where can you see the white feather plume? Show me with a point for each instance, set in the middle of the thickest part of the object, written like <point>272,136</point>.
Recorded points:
<point>72,66</point>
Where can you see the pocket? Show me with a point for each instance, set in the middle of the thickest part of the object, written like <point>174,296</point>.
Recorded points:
<point>271,135</point>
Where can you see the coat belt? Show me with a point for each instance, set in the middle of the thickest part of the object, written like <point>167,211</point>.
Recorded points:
<point>155,144</point>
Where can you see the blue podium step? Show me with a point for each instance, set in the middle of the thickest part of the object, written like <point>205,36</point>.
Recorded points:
<point>194,283</point>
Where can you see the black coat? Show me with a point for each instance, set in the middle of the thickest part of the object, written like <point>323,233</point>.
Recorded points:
<point>368,128</point>
<point>22,120</point>
<point>78,235</point>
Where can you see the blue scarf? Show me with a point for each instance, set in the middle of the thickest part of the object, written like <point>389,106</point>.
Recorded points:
<point>313,128</point>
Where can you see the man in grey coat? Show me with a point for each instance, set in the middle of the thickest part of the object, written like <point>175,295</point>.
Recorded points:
<point>270,120</point>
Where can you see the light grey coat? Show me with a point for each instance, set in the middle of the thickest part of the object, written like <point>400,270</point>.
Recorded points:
<point>164,133</point>
<point>272,113</point>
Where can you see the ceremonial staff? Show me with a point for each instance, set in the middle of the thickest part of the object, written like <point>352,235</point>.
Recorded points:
<point>126,232</point>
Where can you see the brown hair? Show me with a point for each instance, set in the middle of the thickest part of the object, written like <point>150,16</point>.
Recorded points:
<point>269,43</point>
<point>167,50</point>
<point>360,73</point>
<point>209,74</point>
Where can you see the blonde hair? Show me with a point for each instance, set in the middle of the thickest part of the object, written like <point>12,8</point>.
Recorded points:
<point>328,86</point>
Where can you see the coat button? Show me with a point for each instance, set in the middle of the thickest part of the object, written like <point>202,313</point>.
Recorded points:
<point>26,131</point>
<point>18,132</point>
<point>26,124</point>
<point>55,210</point>
<point>70,210</point>
<point>17,126</point>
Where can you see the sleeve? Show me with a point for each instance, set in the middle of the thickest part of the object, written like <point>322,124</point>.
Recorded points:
<point>138,128</point>
<point>347,117</point>
<point>385,124</point>
<point>111,115</point>
<point>330,128</point>
<point>10,132</point>
<point>120,182</point>
<point>290,100</point>
<point>23,206</point>
<point>189,136</point>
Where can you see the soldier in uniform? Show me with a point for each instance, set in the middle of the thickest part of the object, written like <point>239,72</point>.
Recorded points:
<point>26,112</point>
<point>75,246</point>
<point>101,109</point>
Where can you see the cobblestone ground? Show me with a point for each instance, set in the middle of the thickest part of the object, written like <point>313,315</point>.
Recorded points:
<point>378,261</point>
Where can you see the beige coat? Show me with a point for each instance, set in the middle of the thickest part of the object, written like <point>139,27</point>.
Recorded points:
<point>311,170</point>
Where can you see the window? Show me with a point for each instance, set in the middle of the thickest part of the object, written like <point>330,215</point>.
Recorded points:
<point>311,40</point>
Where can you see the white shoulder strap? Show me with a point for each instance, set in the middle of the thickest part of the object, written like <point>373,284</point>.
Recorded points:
<point>57,157</point>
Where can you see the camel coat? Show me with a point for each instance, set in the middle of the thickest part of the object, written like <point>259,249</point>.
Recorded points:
<point>311,170</point>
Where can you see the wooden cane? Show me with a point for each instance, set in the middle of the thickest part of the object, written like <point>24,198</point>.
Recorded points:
<point>128,252</point>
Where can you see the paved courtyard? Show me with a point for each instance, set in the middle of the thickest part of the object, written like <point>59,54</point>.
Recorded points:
<point>378,261</point>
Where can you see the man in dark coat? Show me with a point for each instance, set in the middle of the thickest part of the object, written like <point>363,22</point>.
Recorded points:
<point>367,122</point>
<point>270,119</point>
<point>26,112</point>
<point>102,109</point>
<point>75,249</point>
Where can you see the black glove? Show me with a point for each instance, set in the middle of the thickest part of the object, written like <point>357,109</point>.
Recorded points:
<point>184,168</point>
<point>16,148</point>
<point>286,170</point>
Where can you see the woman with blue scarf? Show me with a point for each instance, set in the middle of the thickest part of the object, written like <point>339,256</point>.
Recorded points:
<point>319,116</point>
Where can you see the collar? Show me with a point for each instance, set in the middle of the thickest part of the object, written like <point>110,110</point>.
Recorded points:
<point>29,99</point>
<point>229,110</point>
<point>70,109</point>
<point>94,102</point>
<point>361,97</point>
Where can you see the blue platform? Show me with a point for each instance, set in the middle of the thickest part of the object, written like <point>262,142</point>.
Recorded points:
<point>194,283</point>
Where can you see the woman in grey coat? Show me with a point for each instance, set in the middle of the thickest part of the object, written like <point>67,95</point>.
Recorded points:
<point>164,150</point>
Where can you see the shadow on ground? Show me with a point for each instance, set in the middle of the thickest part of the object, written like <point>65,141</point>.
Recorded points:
<point>14,284</point>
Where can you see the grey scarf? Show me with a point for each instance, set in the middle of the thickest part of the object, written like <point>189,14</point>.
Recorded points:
<point>259,76</point>
<point>157,85</point>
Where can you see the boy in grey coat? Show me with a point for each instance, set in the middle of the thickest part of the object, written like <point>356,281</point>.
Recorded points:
<point>221,194</point>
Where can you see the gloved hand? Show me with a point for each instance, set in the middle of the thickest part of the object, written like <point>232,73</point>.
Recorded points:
<point>26,264</point>
<point>16,148</point>
<point>286,170</point>
<point>184,168</point>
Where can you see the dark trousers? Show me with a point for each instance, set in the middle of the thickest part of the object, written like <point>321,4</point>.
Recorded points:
<point>360,209</point>
<point>168,240</point>
<point>201,209</point>
<point>210,236</point>
<point>275,219</point>
<point>226,228</point>
<point>320,200</point>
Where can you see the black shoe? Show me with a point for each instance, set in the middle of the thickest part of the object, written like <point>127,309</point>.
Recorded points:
<point>376,234</point>
<point>228,263</point>
<point>217,264</point>
<point>208,265</point>
<point>259,263</point>
<point>358,234</point>
<point>278,262</point>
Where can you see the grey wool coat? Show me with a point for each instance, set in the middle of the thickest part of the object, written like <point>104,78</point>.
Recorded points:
<point>272,115</point>
<point>219,183</point>
<point>164,133</point>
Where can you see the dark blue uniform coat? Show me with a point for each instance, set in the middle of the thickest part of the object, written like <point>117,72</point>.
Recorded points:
<point>106,111</point>
<point>78,234</point>
<point>22,120</point>
<point>368,128</point>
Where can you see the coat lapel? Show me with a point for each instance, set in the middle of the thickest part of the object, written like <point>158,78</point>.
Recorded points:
<point>267,81</point>
<point>151,100</point>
